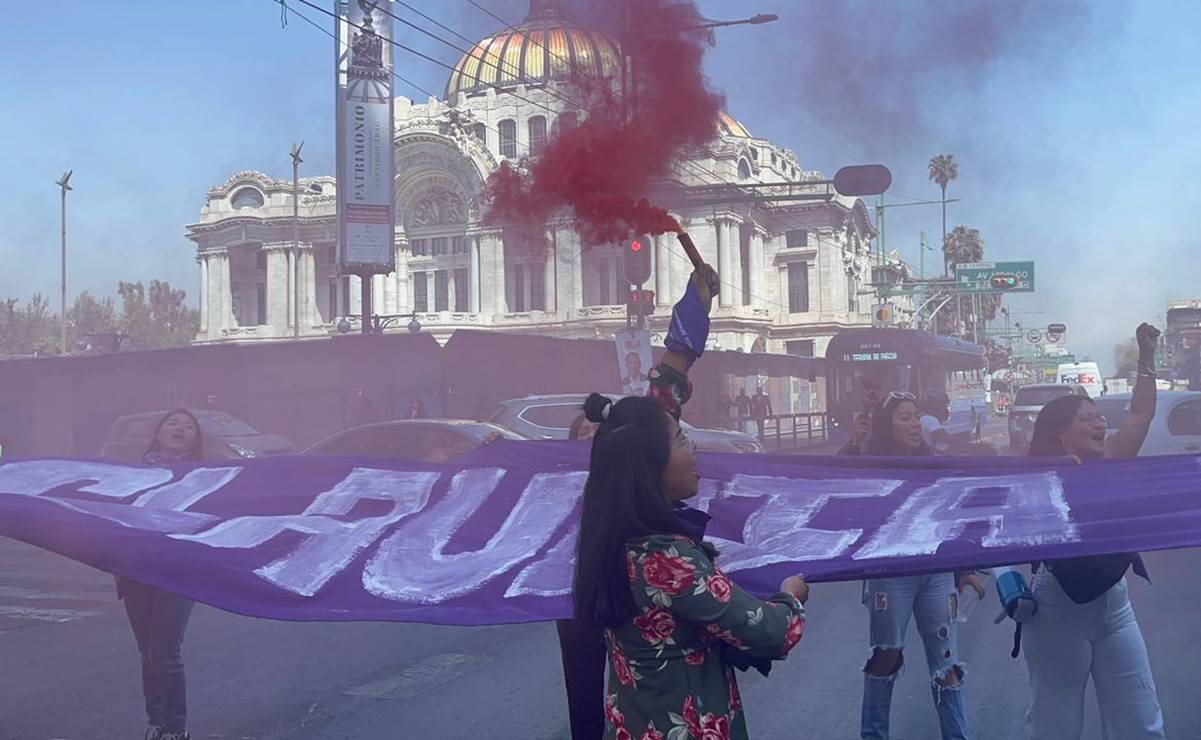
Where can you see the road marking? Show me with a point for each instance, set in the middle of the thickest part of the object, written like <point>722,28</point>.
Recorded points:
<point>427,674</point>
<point>45,615</point>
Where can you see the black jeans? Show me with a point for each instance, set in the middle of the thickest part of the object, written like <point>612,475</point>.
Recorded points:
<point>583,648</point>
<point>159,619</point>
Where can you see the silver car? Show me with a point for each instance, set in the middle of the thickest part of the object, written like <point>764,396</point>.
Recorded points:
<point>1027,403</point>
<point>1175,430</point>
<point>550,417</point>
<point>224,436</point>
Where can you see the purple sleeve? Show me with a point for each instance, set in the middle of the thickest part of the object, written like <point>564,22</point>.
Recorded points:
<point>689,326</point>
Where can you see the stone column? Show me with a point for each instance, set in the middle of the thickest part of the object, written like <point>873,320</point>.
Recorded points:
<point>756,268</point>
<point>309,315</point>
<point>404,296</point>
<point>725,264</point>
<point>203,261</point>
<point>500,289</point>
<point>473,273</point>
<point>550,299</point>
<point>663,294</point>
<point>279,285</point>
<point>377,294</point>
<point>571,252</point>
<point>734,238</point>
<point>220,303</point>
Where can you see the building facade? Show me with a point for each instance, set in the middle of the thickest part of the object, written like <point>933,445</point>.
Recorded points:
<point>794,272</point>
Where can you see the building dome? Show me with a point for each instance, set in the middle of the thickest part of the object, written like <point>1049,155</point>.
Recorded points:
<point>547,46</point>
<point>729,126</point>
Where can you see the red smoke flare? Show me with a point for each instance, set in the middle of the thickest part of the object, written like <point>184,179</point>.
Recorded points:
<point>602,168</point>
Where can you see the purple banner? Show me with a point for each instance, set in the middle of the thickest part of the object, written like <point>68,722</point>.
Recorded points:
<point>489,539</point>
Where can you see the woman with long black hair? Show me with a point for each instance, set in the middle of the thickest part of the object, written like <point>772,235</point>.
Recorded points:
<point>159,618</point>
<point>674,624</point>
<point>896,431</point>
<point>1084,624</point>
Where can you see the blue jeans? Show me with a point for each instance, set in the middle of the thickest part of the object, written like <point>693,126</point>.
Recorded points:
<point>934,601</point>
<point>1066,643</point>
<point>159,619</point>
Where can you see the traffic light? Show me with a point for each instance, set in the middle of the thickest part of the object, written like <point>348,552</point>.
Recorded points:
<point>641,302</point>
<point>1004,281</point>
<point>638,259</point>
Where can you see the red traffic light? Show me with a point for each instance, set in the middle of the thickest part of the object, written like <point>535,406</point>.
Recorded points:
<point>635,246</point>
<point>637,260</point>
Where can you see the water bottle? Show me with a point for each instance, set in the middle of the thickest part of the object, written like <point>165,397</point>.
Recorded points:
<point>968,601</point>
<point>1016,599</point>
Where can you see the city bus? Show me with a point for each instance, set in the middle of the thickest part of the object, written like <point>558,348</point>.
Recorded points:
<point>864,365</point>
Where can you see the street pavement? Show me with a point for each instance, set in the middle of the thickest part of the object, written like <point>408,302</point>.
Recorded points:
<point>69,669</point>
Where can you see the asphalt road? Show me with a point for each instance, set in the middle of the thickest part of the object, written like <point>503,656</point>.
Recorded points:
<point>68,669</point>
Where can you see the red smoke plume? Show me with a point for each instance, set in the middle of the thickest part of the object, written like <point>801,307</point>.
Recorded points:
<point>603,167</point>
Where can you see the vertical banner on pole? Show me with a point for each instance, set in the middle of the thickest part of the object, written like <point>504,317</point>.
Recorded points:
<point>633,361</point>
<point>364,112</point>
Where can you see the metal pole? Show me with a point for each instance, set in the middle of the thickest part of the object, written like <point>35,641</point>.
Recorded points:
<point>62,296</point>
<point>296,160</point>
<point>64,184</point>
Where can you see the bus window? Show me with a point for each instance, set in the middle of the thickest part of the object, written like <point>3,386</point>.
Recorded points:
<point>860,386</point>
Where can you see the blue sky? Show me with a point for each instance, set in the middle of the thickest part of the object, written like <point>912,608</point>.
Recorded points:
<point>1073,125</point>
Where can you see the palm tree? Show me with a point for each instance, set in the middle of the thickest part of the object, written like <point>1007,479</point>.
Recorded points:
<point>942,170</point>
<point>961,246</point>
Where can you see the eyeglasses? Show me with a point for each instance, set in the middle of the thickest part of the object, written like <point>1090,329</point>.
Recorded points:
<point>898,396</point>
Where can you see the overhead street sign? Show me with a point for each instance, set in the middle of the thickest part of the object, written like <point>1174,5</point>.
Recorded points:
<point>995,277</point>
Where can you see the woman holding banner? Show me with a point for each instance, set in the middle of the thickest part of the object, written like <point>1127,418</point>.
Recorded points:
<point>1084,624</point>
<point>671,618</point>
<point>896,431</point>
<point>159,618</point>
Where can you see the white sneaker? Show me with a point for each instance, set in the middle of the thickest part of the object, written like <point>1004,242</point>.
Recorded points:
<point>154,732</point>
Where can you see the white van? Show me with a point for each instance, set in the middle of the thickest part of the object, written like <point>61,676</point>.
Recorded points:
<point>1086,374</point>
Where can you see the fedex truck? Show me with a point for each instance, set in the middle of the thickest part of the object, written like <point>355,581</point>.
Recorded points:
<point>1086,374</point>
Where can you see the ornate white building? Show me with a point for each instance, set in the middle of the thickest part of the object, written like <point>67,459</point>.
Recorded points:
<point>793,271</point>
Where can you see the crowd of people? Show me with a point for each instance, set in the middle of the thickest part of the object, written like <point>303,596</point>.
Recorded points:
<point>652,604</point>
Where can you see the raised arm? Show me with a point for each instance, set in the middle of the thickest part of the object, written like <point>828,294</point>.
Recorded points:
<point>1129,439</point>
<point>685,341</point>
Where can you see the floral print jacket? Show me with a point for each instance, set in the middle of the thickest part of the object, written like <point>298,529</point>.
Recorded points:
<point>667,679</point>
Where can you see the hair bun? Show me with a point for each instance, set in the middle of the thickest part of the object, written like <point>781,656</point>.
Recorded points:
<point>596,408</point>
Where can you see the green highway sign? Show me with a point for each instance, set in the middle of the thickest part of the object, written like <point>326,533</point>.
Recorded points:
<point>995,277</point>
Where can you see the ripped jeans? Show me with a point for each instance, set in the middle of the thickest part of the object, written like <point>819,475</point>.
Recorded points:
<point>934,602</point>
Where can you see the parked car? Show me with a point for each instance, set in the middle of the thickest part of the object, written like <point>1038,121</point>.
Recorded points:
<point>425,440</point>
<point>225,437</point>
<point>550,417</point>
<point>1176,428</point>
<point>1027,402</point>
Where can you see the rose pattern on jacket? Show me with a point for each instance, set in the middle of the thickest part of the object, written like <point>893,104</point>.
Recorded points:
<point>657,626</point>
<point>666,682</point>
<point>668,573</point>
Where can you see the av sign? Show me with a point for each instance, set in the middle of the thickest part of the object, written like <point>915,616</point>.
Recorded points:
<point>995,277</point>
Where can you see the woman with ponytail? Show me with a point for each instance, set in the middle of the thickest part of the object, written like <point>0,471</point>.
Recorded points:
<point>674,625</point>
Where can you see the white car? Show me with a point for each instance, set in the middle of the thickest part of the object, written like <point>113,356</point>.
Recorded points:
<point>1176,428</point>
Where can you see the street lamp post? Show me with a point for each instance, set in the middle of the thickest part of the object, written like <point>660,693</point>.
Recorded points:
<point>296,160</point>
<point>64,184</point>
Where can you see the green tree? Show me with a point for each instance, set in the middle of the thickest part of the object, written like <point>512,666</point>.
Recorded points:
<point>942,170</point>
<point>89,318</point>
<point>156,317</point>
<point>29,330</point>
<point>1125,358</point>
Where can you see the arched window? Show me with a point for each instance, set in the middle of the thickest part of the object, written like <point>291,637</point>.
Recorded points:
<point>247,198</point>
<point>537,126</point>
<point>744,170</point>
<point>508,138</point>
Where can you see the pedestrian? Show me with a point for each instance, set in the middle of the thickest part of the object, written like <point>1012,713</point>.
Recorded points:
<point>159,618</point>
<point>669,614</point>
<point>1084,624</point>
<point>742,404</point>
<point>760,410</point>
<point>416,409</point>
<point>725,407</point>
<point>935,411</point>
<point>932,600</point>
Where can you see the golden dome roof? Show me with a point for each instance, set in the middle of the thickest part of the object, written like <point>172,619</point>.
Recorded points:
<point>728,125</point>
<point>547,46</point>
